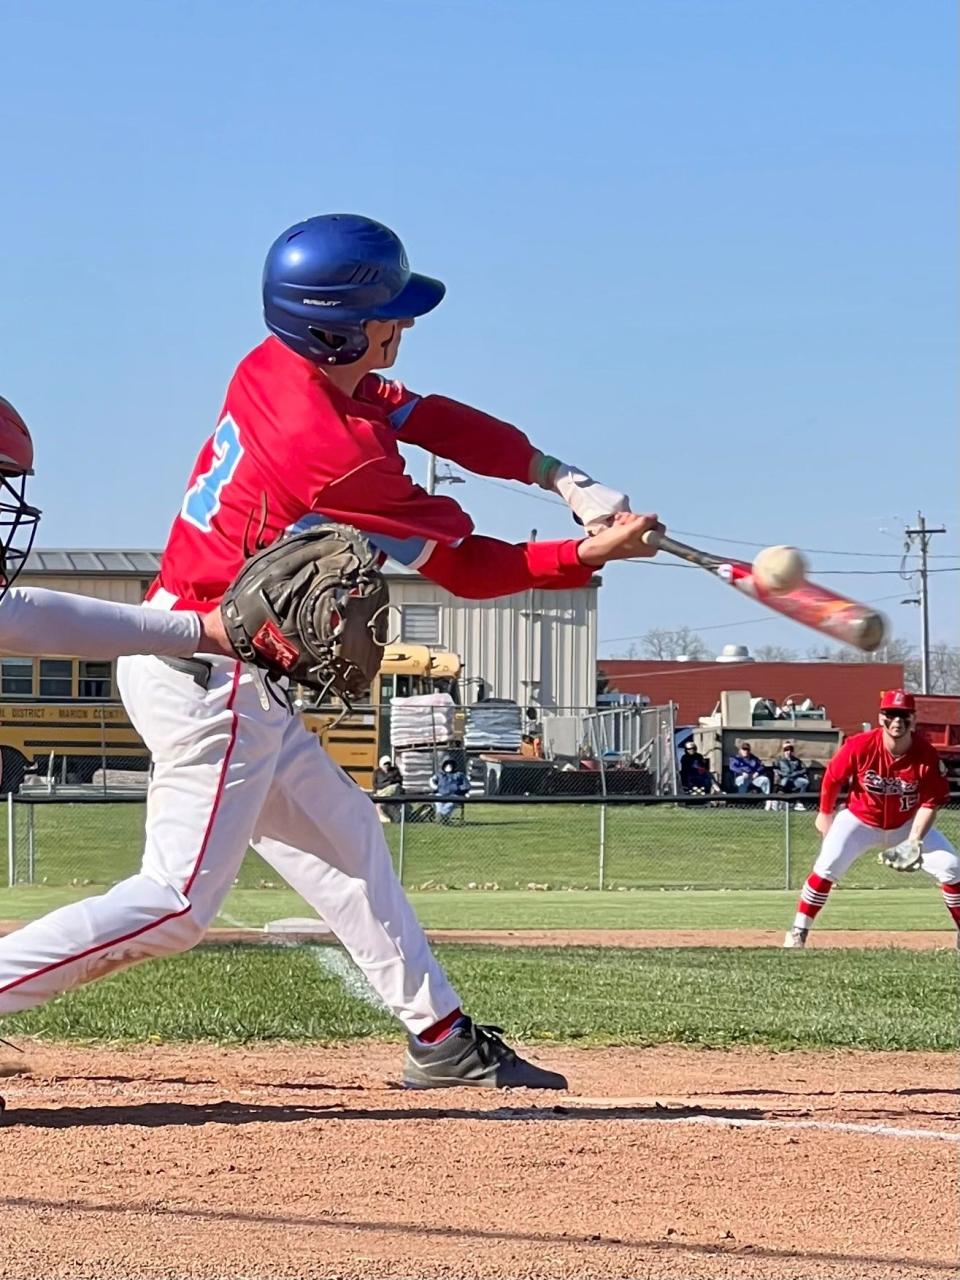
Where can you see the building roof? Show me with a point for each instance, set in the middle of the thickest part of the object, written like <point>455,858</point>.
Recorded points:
<point>86,561</point>
<point>118,562</point>
<point>850,691</point>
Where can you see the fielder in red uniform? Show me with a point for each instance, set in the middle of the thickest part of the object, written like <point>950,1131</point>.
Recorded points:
<point>896,785</point>
<point>310,432</point>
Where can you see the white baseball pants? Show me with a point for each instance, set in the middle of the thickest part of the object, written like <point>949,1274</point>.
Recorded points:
<point>849,839</point>
<point>231,767</point>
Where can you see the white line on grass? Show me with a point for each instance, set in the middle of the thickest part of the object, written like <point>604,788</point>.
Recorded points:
<point>341,967</point>
<point>331,960</point>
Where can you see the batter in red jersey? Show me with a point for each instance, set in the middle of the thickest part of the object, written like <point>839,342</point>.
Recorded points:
<point>896,786</point>
<point>309,431</point>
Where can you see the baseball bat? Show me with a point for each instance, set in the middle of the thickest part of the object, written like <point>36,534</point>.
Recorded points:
<point>808,603</point>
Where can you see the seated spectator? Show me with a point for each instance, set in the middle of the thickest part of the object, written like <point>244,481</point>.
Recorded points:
<point>747,770</point>
<point>387,781</point>
<point>791,772</point>
<point>695,775</point>
<point>449,784</point>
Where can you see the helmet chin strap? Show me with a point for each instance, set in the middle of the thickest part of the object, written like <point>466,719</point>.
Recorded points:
<point>340,348</point>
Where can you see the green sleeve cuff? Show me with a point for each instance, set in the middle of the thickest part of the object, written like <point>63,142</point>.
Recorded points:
<point>543,469</point>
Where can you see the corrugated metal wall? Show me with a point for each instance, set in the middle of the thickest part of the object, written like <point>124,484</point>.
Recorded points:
<point>538,648</point>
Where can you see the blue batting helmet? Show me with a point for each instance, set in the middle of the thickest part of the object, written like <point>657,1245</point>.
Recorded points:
<point>325,277</point>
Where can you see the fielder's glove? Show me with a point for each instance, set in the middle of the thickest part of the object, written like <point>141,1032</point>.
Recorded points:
<point>904,856</point>
<point>312,607</point>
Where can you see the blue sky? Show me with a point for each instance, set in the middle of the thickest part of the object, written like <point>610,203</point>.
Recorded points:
<point>704,248</point>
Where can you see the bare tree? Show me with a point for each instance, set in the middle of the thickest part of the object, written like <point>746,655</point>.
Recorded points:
<point>895,650</point>
<point>661,643</point>
<point>631,651</point>
<point>944,669</point>
<point>775,653</point>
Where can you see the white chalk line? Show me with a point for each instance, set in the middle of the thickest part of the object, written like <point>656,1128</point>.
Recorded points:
<point>576,1107</point>
<point>337,965</point>
<point>341,967</point>
<point>331,960</point>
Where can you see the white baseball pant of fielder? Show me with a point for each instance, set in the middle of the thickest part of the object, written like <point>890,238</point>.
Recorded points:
<point>232,767</point>
<point>849,839</point>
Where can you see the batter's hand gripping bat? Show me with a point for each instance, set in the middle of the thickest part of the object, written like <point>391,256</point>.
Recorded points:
<point>845,620</point>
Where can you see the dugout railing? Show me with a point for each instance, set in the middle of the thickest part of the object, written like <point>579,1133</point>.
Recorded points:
<point>611,843</point>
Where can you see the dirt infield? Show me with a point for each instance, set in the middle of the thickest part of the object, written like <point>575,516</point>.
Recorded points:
<point>913,940</point>
<point>206,1163</point>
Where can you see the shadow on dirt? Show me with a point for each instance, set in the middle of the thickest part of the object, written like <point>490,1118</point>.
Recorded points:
<point>153,1115</point>
<point>727,1246</point>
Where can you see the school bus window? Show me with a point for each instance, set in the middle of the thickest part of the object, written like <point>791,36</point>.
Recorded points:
<point>95,680</point>
<point>56,678</point>
<point>16,677</point>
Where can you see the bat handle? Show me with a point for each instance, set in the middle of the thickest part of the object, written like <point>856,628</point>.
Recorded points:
<point>653,538</point>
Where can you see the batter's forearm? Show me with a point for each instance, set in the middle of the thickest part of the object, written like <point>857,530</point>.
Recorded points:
<point>482,568</point>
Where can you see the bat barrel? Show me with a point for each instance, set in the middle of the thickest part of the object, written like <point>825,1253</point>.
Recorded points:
<point>868,632</point>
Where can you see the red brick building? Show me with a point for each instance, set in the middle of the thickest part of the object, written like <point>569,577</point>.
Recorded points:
<point>850,691</point>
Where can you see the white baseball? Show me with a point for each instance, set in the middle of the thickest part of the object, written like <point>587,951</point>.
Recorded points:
<point>779,568</point>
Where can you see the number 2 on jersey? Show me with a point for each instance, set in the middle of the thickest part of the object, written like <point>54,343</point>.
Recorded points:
<point>202,501</point>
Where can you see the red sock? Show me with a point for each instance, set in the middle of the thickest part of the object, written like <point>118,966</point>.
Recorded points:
<point>440,1030</point>
<point>951,896</point>
<point>813,898</point>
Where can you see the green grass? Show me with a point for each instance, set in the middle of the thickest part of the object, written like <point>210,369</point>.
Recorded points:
<point>508,846</point>
<point>666,866</point>
<point>571,909</point>
<point>863,999</point>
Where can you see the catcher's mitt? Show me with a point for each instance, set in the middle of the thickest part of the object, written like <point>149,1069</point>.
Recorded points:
<point>904,856</point>
<point>313,607</point>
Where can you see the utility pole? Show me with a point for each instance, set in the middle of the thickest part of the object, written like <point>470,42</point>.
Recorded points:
<point>923,533</point>
<point>447,477</point>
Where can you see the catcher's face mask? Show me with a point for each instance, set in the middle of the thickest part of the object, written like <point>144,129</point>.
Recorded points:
<point>18,528</point>
<point>18,520</point>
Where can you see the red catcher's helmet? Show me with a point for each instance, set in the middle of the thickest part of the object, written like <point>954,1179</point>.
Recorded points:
<point>16,447</point>
<point>897,700</point>
<point>18,520</point>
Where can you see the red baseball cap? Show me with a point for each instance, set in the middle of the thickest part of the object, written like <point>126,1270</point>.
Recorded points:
<point>897,700</point>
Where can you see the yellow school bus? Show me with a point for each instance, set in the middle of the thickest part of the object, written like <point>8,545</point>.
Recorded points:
<point>62,716</point>
<point>359,738</point>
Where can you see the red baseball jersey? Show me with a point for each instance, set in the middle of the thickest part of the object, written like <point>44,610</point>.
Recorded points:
<point>885,790</point>
<point>291,450</point>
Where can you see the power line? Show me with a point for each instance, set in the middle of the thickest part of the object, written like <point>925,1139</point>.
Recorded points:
<point>521,491</point>
<point>816,573</point>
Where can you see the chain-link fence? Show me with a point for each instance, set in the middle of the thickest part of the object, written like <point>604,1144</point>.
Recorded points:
<point>501,747</point>
<point>541,843</point>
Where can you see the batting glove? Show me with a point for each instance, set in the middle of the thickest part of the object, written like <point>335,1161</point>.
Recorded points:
<point>593,504</point>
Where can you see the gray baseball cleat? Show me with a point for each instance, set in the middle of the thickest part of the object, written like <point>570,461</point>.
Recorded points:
<point>473,1055</point>
<point>795,939</point>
